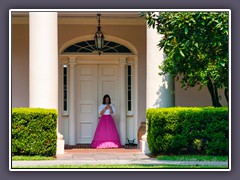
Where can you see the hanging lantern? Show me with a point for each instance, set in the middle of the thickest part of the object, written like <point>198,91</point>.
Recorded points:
<point>99,37</point>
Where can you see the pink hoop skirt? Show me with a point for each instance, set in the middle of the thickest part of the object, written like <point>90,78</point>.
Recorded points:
<point>106,134</point>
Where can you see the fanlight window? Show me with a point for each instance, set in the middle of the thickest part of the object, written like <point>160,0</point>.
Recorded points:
<point>89,47</point>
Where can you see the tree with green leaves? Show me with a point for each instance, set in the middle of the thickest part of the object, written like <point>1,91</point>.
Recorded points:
<point>196,48</point>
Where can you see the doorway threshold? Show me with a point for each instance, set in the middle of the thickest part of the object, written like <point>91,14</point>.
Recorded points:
<point>88,146</point>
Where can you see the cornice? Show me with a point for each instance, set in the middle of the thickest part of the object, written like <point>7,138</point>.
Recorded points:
<point>86,20</point>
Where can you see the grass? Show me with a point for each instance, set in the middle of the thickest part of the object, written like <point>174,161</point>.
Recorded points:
<point>193,158</point>
<point>165,166</point>
<point>168,158</point>
<point>31,158</point>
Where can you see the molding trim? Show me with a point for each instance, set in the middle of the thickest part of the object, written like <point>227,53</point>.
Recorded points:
<point>88,37</point>
<point>81,20</point>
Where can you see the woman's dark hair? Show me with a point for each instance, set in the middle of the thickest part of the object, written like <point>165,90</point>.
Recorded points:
<point>105,97</point>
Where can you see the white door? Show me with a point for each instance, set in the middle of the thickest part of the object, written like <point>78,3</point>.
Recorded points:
<point>93,82</point>
<point>107,84</point>
<point>86,102</point>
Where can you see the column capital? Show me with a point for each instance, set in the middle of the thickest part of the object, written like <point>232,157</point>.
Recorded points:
<point>122,61</point>
<point>72,61</point>
<point>132,61</point>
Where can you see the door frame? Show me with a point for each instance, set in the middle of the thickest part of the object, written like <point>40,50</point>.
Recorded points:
<point>100,60</point>
<point>96,78</point>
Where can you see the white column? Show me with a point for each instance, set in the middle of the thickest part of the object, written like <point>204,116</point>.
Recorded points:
<point>71,130</point>
<point>132,127</point>
<point>159,88</point>
<point>123,101</point>
<point>135,97</point>
<point>43,63</point>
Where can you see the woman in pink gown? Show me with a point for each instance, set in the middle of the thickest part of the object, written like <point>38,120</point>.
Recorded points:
<point>106,134</point>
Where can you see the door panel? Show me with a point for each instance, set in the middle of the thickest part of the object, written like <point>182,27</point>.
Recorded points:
<point>86,103</point>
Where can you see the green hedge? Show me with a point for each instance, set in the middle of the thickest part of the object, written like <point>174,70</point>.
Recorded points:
<point>34,131</point>
<point>182,130</point>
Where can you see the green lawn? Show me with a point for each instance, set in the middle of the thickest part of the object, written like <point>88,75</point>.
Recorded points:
<point>169,158</point>
<point>193,158</point>
<point>124,167</point>
<point>31,158</point>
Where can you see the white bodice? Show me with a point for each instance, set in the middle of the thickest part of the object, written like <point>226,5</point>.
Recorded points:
<point>107,112</point>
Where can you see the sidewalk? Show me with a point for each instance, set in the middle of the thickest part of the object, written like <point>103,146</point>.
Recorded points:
<point>108,156</point>
<point>149,161</point>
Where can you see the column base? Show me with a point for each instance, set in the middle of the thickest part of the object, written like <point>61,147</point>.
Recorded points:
<point>60,144</point>
<point>144,145</point>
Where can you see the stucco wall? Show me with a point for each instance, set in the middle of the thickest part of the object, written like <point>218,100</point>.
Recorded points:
<point>20,65</point>
<point>194,97</point>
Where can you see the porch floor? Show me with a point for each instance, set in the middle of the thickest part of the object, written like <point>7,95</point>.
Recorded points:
<point>125,153</point>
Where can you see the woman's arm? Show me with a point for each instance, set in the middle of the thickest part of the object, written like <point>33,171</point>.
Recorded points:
<point>112,109</point>
<point>102,109</point>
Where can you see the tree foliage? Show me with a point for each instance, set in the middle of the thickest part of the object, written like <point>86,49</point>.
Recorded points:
<point>196,46</point>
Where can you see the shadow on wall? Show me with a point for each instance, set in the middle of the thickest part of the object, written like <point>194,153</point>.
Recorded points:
<point>165,93</point>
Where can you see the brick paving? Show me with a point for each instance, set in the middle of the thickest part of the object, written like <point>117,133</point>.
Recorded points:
<point>102,154</point>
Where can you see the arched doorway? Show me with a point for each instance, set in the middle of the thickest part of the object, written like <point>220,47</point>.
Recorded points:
<point>85,77</point>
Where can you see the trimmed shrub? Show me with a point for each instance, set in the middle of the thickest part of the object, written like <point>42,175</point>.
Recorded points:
<point>34,131</point>
<point>182,130</point>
